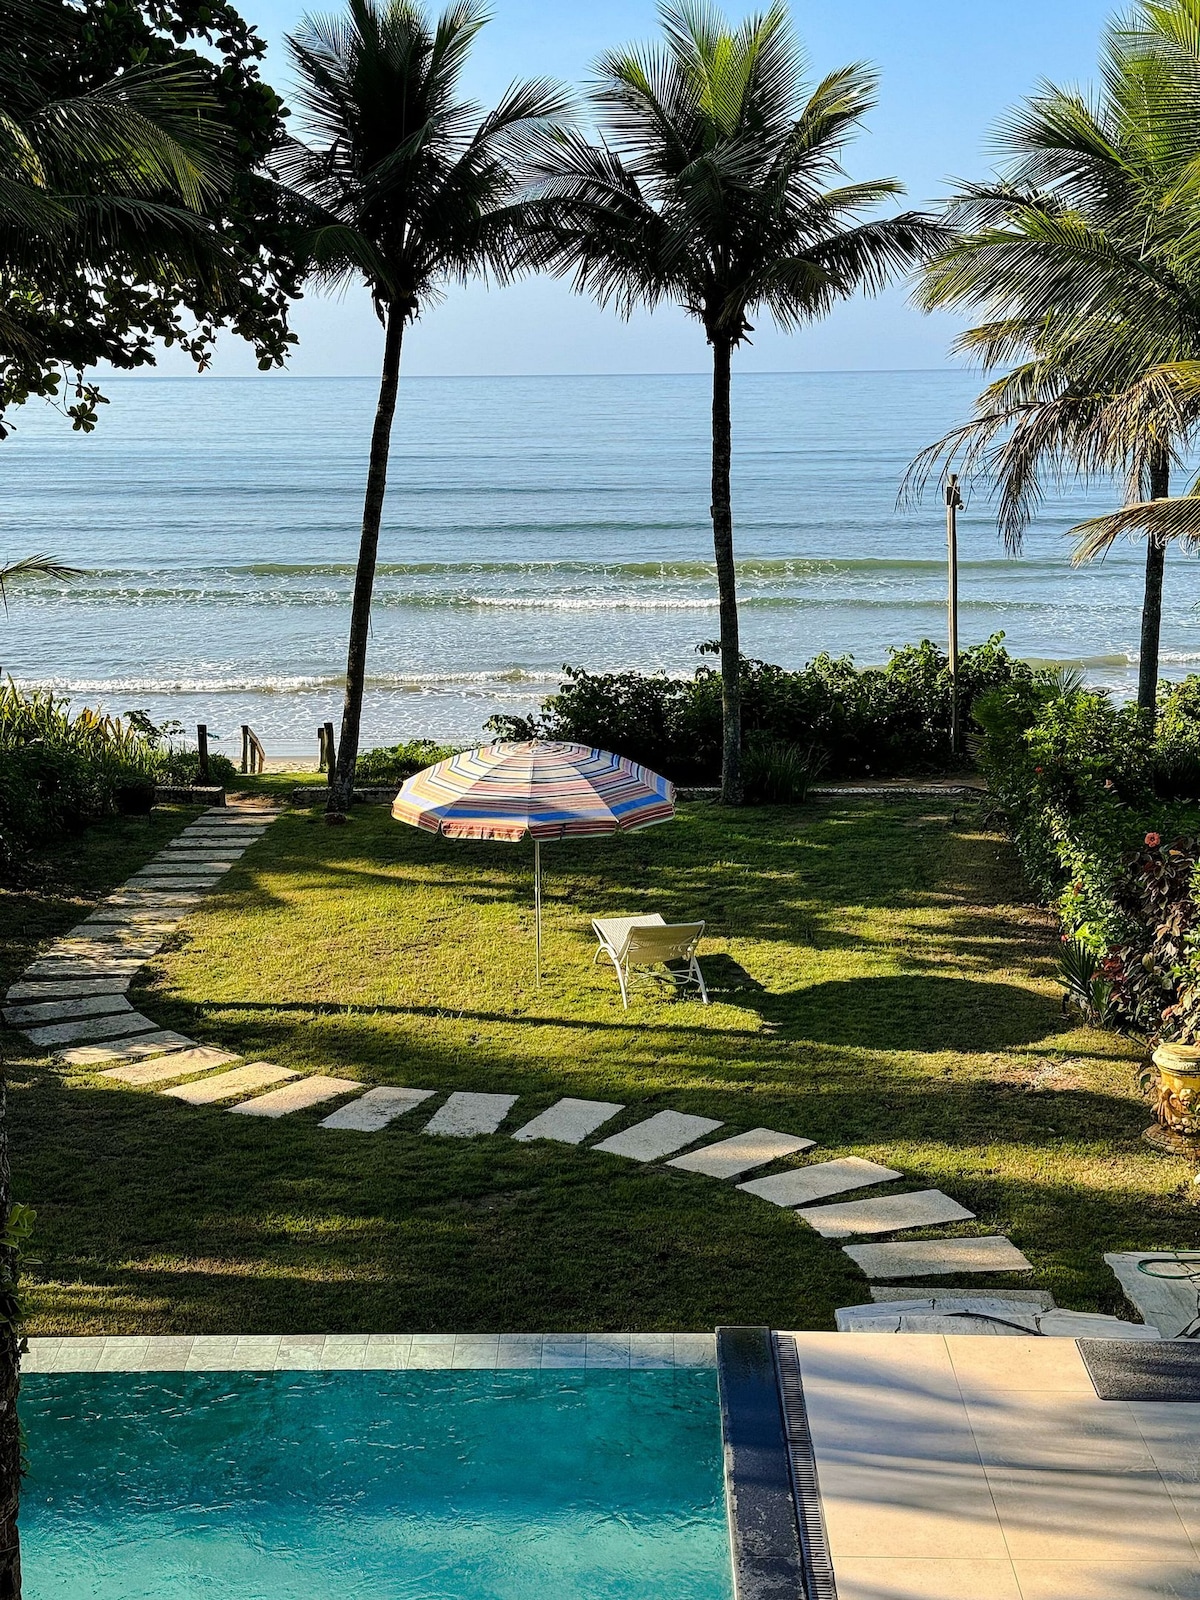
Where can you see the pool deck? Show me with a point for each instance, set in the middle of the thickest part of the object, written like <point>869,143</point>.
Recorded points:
<point>373,1352</point>
<point>966,1468</point>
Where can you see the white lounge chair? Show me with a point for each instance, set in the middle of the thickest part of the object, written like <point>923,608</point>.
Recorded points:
<point>639,946</point>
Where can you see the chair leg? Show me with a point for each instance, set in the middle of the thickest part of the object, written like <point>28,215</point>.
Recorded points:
<point>621,981</point>
<point>700,980</point>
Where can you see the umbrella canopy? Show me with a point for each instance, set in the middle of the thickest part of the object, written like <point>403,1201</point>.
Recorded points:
<point>544,789</point>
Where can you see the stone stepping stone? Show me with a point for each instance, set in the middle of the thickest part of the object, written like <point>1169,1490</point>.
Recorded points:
<point>1040,1299</point>
<point>569,1121</point>
<point>226,850</point>
<point>465,1115</point>
<point>803,1185</point>
<point>885,1213</point>
<point>375,1109</point>
<point>51,966</point>
<point>297,1096</point>
<point>126,942</point>
<point>144,1044</point>
<point>660,1135</point>
<point>114,1027</point>
<point>242,1080</point>
<point>929,1258</point>
<point>165,1069</point>
<point>93,1005</point>
<point>175,880</point>
<point>200,867</point>
<point>67,988</point>
<point>145,899</point>
<point>728,1157</point>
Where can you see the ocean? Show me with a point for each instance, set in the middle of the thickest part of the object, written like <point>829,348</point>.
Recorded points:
<point>530,522</point>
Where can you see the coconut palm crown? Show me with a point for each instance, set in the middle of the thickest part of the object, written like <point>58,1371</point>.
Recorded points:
<point>717,185</point>
<point>409,188</point>
<point>1083,253</point>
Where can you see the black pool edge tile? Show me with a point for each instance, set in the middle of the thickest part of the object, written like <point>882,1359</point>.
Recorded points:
<point>776,1534</point>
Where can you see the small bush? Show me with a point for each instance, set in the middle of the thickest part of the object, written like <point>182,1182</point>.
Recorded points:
<point>58,771</point>
<point>386,766</point>
<point>775,773</point>
<point>870,722</point>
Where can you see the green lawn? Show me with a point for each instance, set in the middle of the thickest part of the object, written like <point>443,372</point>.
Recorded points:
<point>877,986</point>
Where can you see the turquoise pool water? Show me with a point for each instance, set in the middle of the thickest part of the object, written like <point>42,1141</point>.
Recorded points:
<point>374,1486</point>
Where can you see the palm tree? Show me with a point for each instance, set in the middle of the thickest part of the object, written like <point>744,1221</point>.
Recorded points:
<point>1083,254</point>
<point>711,188</point>
<point>108,184</point>
<point>409,188</point>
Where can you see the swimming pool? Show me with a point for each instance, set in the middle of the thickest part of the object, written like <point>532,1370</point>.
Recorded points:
<point>417,1485</point>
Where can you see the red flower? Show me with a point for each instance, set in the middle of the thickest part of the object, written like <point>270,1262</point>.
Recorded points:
<point>1037,769</point>
<point>1153,840</point>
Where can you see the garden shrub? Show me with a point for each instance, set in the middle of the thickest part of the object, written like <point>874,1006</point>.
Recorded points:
<point>385,766</point>
<point>1103,804</point>
<point>872,722</point>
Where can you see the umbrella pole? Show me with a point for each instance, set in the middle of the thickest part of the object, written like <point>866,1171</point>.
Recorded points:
<point>537,903</point>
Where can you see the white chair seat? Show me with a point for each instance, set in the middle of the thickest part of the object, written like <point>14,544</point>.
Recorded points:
<point>641,948</point>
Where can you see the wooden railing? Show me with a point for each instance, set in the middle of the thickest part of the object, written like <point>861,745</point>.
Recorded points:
<point>254,757</point>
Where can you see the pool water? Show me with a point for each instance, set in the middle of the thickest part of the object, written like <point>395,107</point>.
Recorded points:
<point>427,1485</point>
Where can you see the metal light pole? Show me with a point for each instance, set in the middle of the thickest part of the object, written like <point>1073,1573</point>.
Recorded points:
<point>953,506</point>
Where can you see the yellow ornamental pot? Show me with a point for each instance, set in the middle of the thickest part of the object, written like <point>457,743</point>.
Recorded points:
<point>1176,1089</point>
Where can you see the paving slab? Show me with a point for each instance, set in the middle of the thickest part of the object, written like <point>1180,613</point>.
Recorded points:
<point>465,1115</point>
<point>802,1185</point>
<point>114,966</point>
<point>241,1080</point>
<point>93,1005</point>
<point>115,1027</point>
<point>885,1213</point>
<point>1169,1304</point>
<point>124,920</point>
<point>728,1157</point>
<point>144,899</point>
<point>660,1135</point>
<point>66,988</point>
<point>182,850</point>
<point>1041,1299</point>
<point>569,1121</point>
<point>927,1258</point>
<point>166,1069</point>
<point>199,868</point>
<point>143,1044</point>
<point>375,1109</point>
<point>126,943</point>
<point>298,1096</point>
<point>177,880</point>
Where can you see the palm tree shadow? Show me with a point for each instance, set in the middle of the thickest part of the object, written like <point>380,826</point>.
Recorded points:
<point>908,1011</point>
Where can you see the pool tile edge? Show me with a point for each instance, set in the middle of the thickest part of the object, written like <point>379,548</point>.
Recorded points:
<point>342,1352</point>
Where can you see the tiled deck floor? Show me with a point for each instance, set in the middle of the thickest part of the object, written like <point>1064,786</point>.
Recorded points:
<point>959,1468</point>
<point>386,1352</point>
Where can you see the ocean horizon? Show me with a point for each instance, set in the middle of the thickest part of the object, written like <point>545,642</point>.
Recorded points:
<point>530,522</point>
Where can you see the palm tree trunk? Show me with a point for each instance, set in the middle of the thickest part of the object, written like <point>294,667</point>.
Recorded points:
<point>722,521</point>
<point>1156,553</point>
<point>10,1382</point>
<point>341,788</point>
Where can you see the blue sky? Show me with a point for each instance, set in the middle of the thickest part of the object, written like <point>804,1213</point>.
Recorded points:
<point>949,70</point>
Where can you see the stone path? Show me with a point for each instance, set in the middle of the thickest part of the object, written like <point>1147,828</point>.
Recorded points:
<point>71,1000</point>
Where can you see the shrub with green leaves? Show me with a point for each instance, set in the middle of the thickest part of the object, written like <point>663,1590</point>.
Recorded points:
<point>386,765</point>
<point>1103,804</point>
<point>868,722</point>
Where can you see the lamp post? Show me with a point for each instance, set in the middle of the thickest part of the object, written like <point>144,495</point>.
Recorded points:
<point>953,506</point>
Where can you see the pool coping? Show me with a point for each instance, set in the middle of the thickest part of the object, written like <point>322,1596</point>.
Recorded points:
<point>369,1352</point>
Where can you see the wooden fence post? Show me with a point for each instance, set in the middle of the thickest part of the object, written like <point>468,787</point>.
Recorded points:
<point>202,750</point>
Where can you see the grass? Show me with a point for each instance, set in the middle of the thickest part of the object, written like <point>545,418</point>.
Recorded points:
<point>878,987</point>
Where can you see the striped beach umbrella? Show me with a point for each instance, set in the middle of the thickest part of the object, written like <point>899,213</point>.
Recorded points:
<point>539,788</point>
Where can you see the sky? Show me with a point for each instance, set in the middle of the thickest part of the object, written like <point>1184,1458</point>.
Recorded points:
<point>949,70</point>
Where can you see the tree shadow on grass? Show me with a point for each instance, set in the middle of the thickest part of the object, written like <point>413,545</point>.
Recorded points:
<point>907,1011</point>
